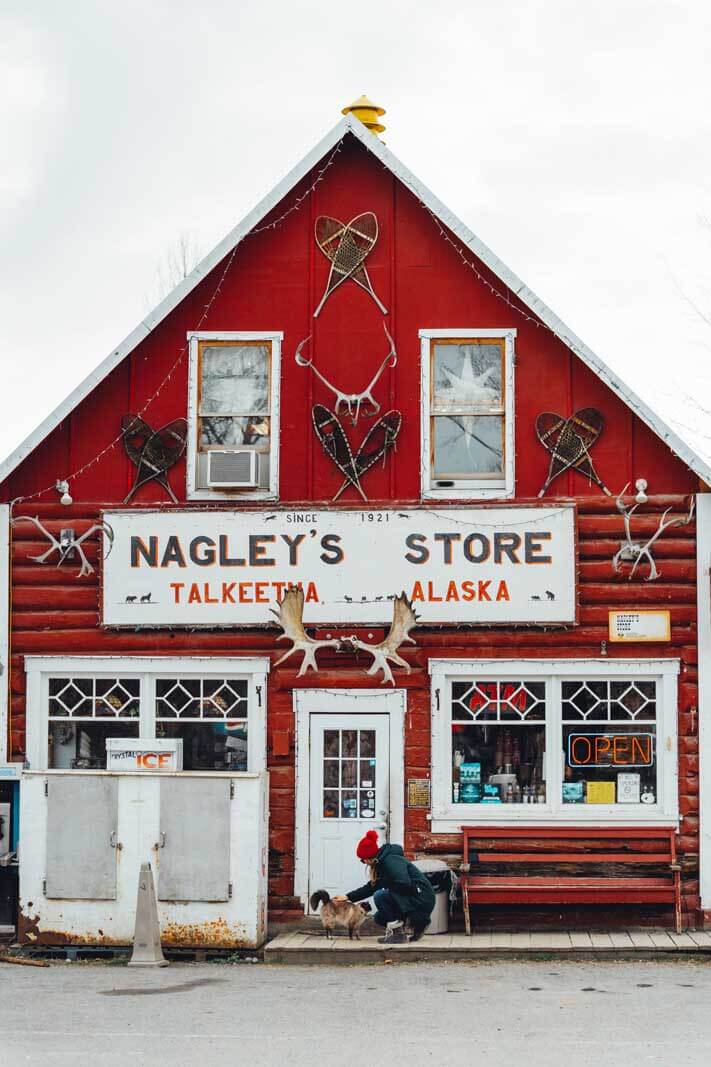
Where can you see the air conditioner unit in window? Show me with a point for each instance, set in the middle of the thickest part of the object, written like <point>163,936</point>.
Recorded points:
<point>235,468</point>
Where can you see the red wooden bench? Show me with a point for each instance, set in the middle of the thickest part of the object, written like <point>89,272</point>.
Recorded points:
<point>570,865</point>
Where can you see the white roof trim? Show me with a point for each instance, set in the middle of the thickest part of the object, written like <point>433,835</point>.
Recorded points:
<point>350,124</point>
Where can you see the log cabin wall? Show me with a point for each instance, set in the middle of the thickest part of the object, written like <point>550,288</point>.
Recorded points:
<point>275,282</point>
<point>55,613</point>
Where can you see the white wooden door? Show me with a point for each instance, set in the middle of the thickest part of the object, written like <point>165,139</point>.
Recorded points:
<point>349,793</point>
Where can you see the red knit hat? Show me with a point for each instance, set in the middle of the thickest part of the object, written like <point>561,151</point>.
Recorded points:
<point>368,846</point>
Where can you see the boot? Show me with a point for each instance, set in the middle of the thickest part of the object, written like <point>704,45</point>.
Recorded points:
<point>394,934</point>
<point>418,929</point>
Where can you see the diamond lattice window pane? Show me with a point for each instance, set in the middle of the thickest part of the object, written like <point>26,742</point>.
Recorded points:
<point>117,696</point>
<point>628,700</point>
<point>585,700</point>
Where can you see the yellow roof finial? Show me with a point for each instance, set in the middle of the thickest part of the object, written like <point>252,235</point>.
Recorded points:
<point>368,113</point>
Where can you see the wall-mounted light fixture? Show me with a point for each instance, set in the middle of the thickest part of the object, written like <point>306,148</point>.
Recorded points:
<point>64,494</point>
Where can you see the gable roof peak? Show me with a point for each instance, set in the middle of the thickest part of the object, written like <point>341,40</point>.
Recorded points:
<point>367,112</point>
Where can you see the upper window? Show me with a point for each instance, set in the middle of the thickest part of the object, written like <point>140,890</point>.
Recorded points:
<point>467,413</point>
<point>234,415</point>
<point>565,739</point>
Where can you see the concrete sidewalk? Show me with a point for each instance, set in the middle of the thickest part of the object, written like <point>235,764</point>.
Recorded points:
<point>315,947</point>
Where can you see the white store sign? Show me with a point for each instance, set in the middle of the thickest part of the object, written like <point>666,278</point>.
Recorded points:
<point>229,568</point>
<point>138,754</point>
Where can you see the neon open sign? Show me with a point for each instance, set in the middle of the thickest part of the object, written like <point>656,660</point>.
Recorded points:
<point>611,750</point>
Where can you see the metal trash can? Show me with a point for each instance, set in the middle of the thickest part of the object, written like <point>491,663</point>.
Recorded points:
<point>439,924</point>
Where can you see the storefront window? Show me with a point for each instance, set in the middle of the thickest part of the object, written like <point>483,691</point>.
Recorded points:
<point>609,741</point>
<point>210,715</point>
<point>498,742</point>
<point>592,743</point>
<point>83,712</point>
<point>216,707</point>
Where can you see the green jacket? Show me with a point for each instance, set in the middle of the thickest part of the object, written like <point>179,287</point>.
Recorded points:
<point>410,888</point>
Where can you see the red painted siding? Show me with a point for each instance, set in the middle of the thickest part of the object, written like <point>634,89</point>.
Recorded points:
<point>274,283</point>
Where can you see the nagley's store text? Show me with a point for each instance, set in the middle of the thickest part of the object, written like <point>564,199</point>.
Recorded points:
<point>456,565</point>
<point>352,532</point>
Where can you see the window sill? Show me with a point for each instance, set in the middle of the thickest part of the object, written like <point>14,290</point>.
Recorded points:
<point>599,814</point>
<point>228,497</point>
<point>469,493</point>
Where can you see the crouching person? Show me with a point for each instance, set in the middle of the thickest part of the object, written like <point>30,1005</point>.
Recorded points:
<point>400,891</point>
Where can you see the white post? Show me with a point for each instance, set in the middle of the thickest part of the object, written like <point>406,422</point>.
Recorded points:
<point>703,600</point>
<point>147,949</point>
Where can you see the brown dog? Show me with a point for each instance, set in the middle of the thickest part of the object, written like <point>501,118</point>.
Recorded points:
<point>338,913</point>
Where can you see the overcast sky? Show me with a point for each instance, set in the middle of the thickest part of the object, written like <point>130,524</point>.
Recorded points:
<point>574,139</point>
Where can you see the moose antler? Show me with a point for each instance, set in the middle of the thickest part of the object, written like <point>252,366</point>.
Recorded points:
<point>290,616</point>
<point>404,619</point>
<point>75,544</point>
<point>635,551</point>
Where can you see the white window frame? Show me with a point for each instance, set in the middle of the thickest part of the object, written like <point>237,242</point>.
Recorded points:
<point>448,817</point>
<point>275,337</point>
<point>148,669</point>
<point>482,489</point>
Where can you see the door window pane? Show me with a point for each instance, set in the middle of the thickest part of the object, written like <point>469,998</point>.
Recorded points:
<point>349,742</point>
<point>330,773</point>
<point>367,742</point>
<point>332,742</point>
<point>349,763</point>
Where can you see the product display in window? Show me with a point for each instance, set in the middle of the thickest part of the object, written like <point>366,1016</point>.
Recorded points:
<point>498,742</point>
<point>609,741</point>
<point>213,746</point>
<point>81,745</point>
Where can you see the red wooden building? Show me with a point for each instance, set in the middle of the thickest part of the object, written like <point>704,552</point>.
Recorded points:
<point>354,394</point>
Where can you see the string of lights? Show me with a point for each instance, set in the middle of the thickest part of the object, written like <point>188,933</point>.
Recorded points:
<point>63,484</point>
<point>485,281</point>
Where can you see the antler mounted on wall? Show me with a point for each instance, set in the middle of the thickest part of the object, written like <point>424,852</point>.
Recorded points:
<point>66,546</point>
<point>352,401</point>
<point>291,619</point>
<point>404,619</point>
<point>635,551</point>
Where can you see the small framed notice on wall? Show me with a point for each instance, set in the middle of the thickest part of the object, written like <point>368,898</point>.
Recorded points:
<point>418,792</point>
<point>643,625</point>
